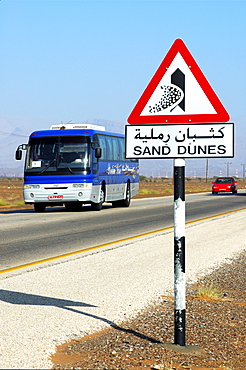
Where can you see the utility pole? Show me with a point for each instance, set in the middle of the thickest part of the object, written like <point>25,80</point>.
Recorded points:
<point>206,170</point>
<point>243,164</point>
<point>227,168</point>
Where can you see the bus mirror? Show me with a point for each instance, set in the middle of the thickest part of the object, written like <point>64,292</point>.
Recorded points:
<point>98,152</point>
<point>18,154</point>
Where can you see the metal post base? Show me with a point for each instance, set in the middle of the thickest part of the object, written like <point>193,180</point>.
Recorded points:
<point>191,350</point>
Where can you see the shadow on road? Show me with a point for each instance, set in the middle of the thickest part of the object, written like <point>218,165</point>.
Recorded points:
<point>224,194</point>
<point>18,298</point>
<point>86,208</point>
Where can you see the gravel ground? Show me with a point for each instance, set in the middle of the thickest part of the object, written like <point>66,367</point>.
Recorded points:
<point>46,306</point>
<point>215,325</point>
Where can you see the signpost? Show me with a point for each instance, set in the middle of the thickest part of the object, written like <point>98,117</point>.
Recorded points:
<point>179,116</point>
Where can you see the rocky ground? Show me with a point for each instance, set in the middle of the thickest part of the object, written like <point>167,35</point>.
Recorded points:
<point>215,325</point>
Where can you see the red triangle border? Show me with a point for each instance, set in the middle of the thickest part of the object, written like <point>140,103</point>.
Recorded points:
<point>178,47</point>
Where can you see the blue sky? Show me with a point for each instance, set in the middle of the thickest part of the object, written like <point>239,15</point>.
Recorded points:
<point>73,60</point>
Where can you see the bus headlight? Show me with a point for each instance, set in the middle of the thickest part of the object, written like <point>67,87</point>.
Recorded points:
<point>32,195</point>
<point>32,186</point>
<point>78,185</point>
<point>80,194</point>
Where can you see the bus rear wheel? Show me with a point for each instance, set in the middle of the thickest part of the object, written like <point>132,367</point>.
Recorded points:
<point>98,206</point>
<point>39,207</point>
<point>126,202</point>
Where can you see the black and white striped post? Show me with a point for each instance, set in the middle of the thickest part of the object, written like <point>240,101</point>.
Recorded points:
<point>179,252</point>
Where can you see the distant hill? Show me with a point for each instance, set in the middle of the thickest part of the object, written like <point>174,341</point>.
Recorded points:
<point>15,131</point>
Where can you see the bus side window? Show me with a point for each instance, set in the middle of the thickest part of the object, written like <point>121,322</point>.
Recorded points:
<point>102,144</point>
<point>115,149</point>
<point>121,145</point>
<point>109,146</point>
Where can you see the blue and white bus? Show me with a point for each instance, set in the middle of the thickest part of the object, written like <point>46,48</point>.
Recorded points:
<point>76,164</point>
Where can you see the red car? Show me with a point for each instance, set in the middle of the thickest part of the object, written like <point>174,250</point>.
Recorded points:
<point>224,184</point>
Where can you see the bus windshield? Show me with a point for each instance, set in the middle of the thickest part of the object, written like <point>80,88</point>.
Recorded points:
<point>58,155</point>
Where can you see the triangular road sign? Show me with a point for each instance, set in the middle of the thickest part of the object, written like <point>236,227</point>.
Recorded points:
<point>178,93</point>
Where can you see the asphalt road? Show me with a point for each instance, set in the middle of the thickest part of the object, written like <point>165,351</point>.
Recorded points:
<point>27,236</point>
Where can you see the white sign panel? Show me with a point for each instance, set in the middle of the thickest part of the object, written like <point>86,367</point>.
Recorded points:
<point>196,102</point>
<point>204,140</point>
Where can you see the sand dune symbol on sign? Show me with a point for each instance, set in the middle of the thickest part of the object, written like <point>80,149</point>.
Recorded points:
<point>171,96</point>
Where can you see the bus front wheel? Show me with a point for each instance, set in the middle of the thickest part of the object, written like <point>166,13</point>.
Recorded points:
<point>98,206</point>
<point>76,206</point>
<point>39,207</point>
